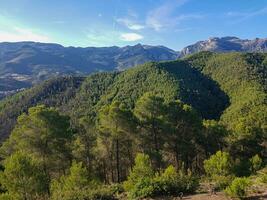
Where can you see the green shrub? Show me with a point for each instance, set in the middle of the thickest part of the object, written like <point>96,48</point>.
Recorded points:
<point>172,183</point>
<point>76,185</point>
<point>148,185</point>
<point>143,188</point>
<point>221,182</point>
<point>73,185</point>
<point>219,164</point>
<point>7,196</point>
<point>264,178</point>
<point>219,169</point>
<point>103,192</point>
<point>262,174</point>
<point>238,188</point>
<point>255,163</point>
<point>139,181</point>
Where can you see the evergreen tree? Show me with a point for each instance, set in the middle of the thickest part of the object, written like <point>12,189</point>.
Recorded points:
<point>75,185</point>
<point>150,110</point>
<point>184,134</point>
<point>23,178</point>
<point>117,121</point>
<point>84,144</point>
<point>44,134</point>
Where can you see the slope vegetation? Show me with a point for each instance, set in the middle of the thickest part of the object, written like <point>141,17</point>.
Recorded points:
<point>230,87</point>
<point>243,77</point>
<point>55,92</point>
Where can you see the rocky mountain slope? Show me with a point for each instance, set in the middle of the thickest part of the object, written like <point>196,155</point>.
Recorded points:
<point>226,44</point>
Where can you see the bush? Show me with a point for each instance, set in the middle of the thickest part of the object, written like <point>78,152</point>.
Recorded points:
<point>221,182</point>
<point>76,185</point>
<point>102,192</point>
<point>219,164</point>
<point>255,163</point>
<point>264,178</point>
<point>7,196</point>
<point>262,174</point>
<point>238,188</point>
<point>142,182</point>
<point>173,183</point>
<point>139,181</point>
<point>143,188</point>
<point>73,185</point>
<point>219,169</point>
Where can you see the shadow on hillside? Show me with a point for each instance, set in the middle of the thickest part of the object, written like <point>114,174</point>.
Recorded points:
<point>199,90</point>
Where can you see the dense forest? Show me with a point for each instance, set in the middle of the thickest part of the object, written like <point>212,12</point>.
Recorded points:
<point>158,129</point>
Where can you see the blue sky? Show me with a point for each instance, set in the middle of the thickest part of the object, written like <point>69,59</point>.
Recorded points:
<point>173,23</point>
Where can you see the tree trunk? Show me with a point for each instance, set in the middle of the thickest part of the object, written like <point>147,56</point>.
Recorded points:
<point>176,156</point>
<point>155,138</point>
<point>117,160</point>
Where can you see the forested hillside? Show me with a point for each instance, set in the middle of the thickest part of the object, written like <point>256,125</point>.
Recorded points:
<point>171,80</point>
<point>55,92</point>
<point>243,77</point>
<point>154,129</point>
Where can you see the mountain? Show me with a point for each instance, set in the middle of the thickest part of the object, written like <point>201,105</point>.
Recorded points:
<point>230,87</point>
<point>25,63</point>
<point>226,44</point>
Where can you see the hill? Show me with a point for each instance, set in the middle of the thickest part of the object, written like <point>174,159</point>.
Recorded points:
<point>243,77</point>
<point>230,87</point>
<point>171,80</point>
<point>55,92</point>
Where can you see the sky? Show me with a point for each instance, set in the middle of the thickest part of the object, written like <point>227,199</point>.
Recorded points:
<point>172,23</point>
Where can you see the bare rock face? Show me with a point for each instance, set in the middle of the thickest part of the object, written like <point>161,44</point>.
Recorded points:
<point>226,44</point>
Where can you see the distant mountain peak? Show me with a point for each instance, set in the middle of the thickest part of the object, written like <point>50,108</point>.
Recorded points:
<point>226,44</point>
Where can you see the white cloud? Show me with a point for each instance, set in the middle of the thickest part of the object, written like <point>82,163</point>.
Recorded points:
<point>130,24</point>
<point>18,34</point>
<point>130,37</point>
<point>13,31</point>
<point>136,27</point>
<point>163,16</point>
<point>101,38</point>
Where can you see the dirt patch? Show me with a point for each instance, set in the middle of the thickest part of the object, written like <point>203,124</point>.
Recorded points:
<point>218,196</point>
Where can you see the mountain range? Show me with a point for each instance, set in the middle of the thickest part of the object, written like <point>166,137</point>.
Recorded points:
<point>23,64</point>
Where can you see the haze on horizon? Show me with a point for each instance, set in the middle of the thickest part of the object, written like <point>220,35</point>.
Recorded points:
<point>172,23</point>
